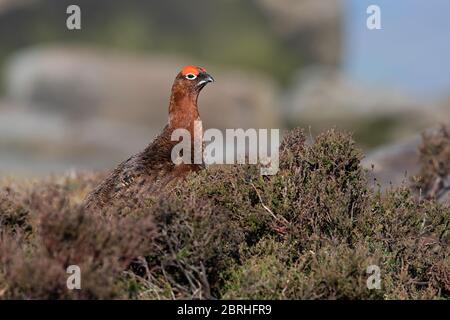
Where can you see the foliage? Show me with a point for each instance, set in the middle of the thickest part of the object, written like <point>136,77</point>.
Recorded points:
<point>308,232</point>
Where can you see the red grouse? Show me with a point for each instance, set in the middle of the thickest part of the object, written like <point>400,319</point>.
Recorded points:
<point>137,175</point>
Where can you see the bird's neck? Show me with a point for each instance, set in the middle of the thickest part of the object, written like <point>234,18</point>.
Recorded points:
<point>183,110</point>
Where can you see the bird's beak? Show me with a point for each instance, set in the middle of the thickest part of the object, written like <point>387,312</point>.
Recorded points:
<point>205,79</point>
<point>208,78</point>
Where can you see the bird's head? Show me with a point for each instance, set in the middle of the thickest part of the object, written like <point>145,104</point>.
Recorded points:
<point>193,79</point>
<point>183,100</point>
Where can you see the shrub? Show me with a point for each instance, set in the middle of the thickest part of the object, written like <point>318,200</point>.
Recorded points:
<point>196,242</point>
<point>434,178</point>
<point>34,266</point>
<point>308,232</point>
<point>332,272</point>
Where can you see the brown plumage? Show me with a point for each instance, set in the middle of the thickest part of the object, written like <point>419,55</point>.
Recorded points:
<point>142,173</point>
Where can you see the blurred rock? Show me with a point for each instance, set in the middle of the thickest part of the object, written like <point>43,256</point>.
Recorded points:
<point>397,163</point>
<point>83,108</point>
<point>82,83</point>
<point>323,97</point>
<point>37,143</point>
<point>313,27</point>
<point>325,92</point>
<point>394,164</point>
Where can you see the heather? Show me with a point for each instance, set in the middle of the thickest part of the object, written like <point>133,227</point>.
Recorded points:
<point>308,232</point>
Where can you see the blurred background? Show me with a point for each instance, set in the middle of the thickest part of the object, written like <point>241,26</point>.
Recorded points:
<point>87,99</point>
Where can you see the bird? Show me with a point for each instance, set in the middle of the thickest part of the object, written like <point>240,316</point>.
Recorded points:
<point>143,172</point>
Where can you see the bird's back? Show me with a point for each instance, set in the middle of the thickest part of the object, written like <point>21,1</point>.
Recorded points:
<point>141,175</point>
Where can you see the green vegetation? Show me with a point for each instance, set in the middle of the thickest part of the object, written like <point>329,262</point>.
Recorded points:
<point>308,232</point>
<point>224,33</point>
<point>369,132</point>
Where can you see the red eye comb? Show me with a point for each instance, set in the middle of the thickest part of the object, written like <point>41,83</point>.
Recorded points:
<point>192,69</point>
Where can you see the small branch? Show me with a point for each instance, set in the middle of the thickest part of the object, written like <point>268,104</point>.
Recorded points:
<point>283,219</point>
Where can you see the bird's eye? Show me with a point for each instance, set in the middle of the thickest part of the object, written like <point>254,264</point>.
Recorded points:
<point>191,76</point>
